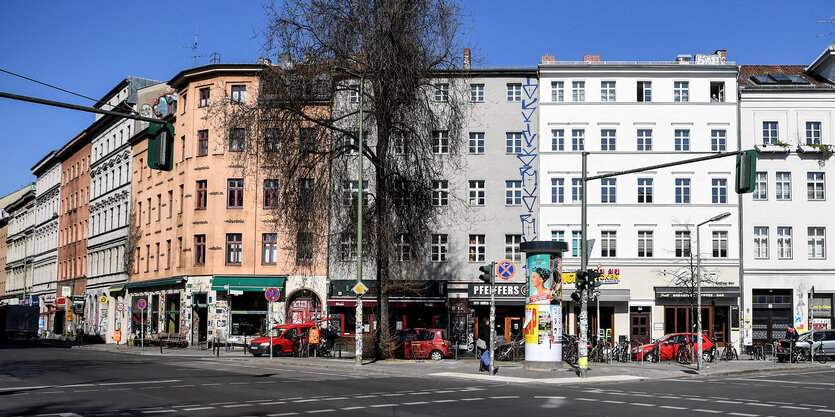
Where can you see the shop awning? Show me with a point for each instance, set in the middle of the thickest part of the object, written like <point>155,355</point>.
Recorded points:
<point>247,283</point>
<point>155,283</point>
<point>116,289</point>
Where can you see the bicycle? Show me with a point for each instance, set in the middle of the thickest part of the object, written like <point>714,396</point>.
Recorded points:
<point>684,353</point>
<point>569,352</point>
<point>729,352</point>
<point>818,354</point>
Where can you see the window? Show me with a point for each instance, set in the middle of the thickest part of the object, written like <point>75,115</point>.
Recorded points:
<point>717,91</point>
<point>476,143</point>
<point>682,243</point>
<point>440,192</point>
<point>202,142</point>
<point>202,194</point>
<point>476,192</point>
<point>719,191</point>
<point>511,247</point>
<point>578,138</point>
<point>761,186</point>
<point>576,243</point>
<point>645,244</point>
<point>136,261</point>
<point>159,207</point>
<point>348,247</point>
<point>476,248</point>
<point>557,140</point>
<point>682,138</point>
<point>607,91</point>
<point>199,249</point>
<point>149,211</point>
<point>238,94</point>
<point>477,93</point>
<point>607,140</point>
<point>760,242</point>
<point>682,191</point>
<point>403,248</point>
<point>513,193</point>
<point>578,91</point>
<point>513,142</point>
<point>270,193</point>
<point>770,133</point>
<point>645,190</point>
<point>607,190</point>
<point>557,91</point>
<point>442,92</point>
<point>237,137</point>
<point>182,194</point>
<point>170,203</point>
<point>204,97</point>
<point>167,254</point>
<point>784,242</point>
<point>608,244</point>
<point>233,248</point>
<point>269,248</point>
<point>354,93</point>
<point>402,193</point>
<point>156,257</point>
<point>440,142</point>
<point>439,247</point>
<point>718,141</point>
<point>304,249</point>
<point>401,146</point>
<point>813,133</point>
<point>235,193</point>
<point>558,236</point>
<point>350,143</point>
<point>147,260</point>
<point>644,91</point>
<point>350,192</point>
<point>814,186</point>
<point>271,140</point>
<point>307,139</point>
<point>816,242</point>
<point>681,91</point>
<point>514,92</point>
<point>557,190</point>
<point>644,139</point>
<point>306,192</point>
<point>720,244</point>
<point>576,190</point>
<point>783,186</point>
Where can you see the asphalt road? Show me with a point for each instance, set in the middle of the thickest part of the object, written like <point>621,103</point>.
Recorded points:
<point>67,382</point>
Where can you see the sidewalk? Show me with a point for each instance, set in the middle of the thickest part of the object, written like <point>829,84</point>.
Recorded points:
<point>508,372</point>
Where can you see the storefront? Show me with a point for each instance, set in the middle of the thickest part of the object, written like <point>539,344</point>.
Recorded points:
<point>240,303</point>
<point>163,307</point>
<point>510,310</point>
<point>719,306</point>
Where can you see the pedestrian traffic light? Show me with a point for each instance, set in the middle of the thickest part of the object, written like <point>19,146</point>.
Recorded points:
<point>486,273</point>
<point>592,277</point>
<point>161,146</point>
<point>576,296</point>
<point>746,172</point>
<point>582,282</point>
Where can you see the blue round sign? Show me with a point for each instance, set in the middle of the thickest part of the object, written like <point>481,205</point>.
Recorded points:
<point>506,269</point>
<point>141,304</point>
<point>272,294</point>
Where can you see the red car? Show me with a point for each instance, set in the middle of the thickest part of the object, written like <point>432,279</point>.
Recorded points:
<point>283,337</point>
<point>668,346</point>
<point>422,343</point>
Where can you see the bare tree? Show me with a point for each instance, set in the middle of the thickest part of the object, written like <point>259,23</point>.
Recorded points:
<point>398,58</point>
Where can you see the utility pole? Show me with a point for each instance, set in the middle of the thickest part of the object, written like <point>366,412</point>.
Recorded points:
<point>583,350</point>
<point>360,201</point>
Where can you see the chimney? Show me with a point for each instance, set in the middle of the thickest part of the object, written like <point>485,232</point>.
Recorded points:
<point>467,59</point>
<point>549,59</point>
<point>721,53</point>
<point>591,59</point>
<point>683,58</point>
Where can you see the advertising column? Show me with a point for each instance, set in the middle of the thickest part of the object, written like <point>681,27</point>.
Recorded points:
<point>543,311</point>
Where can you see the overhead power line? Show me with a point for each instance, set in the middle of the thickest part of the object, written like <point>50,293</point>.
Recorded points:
<point>51,86</point>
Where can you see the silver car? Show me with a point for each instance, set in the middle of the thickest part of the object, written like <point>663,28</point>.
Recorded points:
<point>821,337</point>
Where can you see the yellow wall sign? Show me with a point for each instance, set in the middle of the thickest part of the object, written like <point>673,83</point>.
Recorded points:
<point>607,276</point>
<point>103,299</point>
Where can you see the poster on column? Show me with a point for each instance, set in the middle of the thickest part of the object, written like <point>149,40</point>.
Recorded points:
<point>531,328</point>
<point>538,274</point>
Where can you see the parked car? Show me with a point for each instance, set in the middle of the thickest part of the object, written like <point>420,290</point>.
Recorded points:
<point>399,340</point>
<point>284,338</point>
<point>824,337</point>
<point>423,343</point>
<point>668,346</point>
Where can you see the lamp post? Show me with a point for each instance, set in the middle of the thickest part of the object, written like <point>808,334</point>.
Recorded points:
<point>699,360</point>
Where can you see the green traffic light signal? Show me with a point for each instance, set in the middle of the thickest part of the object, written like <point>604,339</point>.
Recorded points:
<point>161,146</point>
<point>486,273</point>
<point>746,172</point>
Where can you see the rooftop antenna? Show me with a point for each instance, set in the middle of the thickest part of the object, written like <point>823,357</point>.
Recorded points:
<point>193,48</point>
<point>214,58</point>
<point>831,21</point>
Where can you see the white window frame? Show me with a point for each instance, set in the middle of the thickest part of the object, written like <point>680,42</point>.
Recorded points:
<point>578,139</point>
<point>513,143</point>
<point>557,190</point>
<point>439,247</point>
<point>442,92</point>
<point>784,242</point>
<point>683,244</point>
<point>477,93</point>
<point>513,193</point>
<point>557,91</point>
<point>771,133</point>
<point>645,243</point>
<point>682,190</point>
<point>813,133</point>
<point>760,186</point>
<point>608,190</point>
<point>476,248</point>
<point>682,140</point>
<point>557,139</point>
<point>440,142</point>
<point>719,190</point>
<point>578,91</point>
<point>608,139</point>
<point>718,140</point>
<point>607,90</point>
<point>645,190</point>
<point>815,186</point>
<point>760,242</point>
<point>440,193</point>
<point>477,193</point>
<point>720,244</point>
<point>783,186</point>
<point>512,249</point>
<point>816,242</point>
<point>514,92</point>
<point>608,244</point>
<point>644,137</point>
<point>681,91</point>
<point>476,144</point>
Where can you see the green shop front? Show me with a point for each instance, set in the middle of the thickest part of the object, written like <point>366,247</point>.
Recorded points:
<point>240,308</point>
<point>158,304</point>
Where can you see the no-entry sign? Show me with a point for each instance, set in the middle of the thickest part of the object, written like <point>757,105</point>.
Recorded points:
<point>141,304</point>
<point>272,294</point>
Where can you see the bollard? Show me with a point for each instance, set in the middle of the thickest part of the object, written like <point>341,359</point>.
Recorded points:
<point>160,347</point>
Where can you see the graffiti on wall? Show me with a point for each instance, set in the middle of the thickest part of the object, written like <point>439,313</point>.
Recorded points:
<point>527,171</point>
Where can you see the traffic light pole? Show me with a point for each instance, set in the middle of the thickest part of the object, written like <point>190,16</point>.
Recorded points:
<point>583,349</point>
<point>492,315</point>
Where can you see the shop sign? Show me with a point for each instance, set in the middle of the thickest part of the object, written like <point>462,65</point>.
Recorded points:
<point>705,294</point>
<point>500,290</point>
<point>607,276</point>
<point>248,312</point>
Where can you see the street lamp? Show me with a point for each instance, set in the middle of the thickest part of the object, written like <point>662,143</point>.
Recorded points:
<point>699,360</point>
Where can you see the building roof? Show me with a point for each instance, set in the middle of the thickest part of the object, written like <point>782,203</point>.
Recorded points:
<point>747,72</point>
<point>14,196</point>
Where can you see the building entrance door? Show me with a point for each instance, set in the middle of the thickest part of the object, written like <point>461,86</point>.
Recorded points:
<point>639,327</point>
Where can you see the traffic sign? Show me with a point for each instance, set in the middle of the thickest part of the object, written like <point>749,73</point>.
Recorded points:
<point>272,294</point>
<point>359,288</point>
<point>506,269</point>
<point>103,299</point>
<point>120,307</point>
<point>141,304</point>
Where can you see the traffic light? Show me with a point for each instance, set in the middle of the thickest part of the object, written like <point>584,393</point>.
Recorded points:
<point>576,296</point>
<point>161,146</point>
<point>746,172</point>
<point>592,277</point>
<point>486,273</point>
<point>582,280</point>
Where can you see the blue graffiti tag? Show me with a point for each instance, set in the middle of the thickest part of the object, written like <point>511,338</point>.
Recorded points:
<point>528,157</point>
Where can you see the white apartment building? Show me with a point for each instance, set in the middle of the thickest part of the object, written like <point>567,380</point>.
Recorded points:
<point>642,226</point>
<point>47,207</point>
<point>110,197</point>
<point>787,112</point>
<point>19,244</point>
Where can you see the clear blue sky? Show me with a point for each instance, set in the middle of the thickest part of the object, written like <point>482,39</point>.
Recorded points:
<point>89,46</point>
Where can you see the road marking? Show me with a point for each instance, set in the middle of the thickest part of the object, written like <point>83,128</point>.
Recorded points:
<point>549,397</point>
<point>383,405</point>
<point>266,382</point>
<point>672,407</point>
<point>792,407</point>
<point>158,411</point>
<point>182,406</point>
<point>151,387</point>
<point>273,403</point>
<point>198,408</point>
<point>238,383</point>
<point>761,404</point>
<point>506,397</point>
<point>258,401</point>
<point>472,399</point>
<point>780,402</point>
<point>182,386</point>
<point>586,399</point>
<point>359,407</point>
<point>443,392</point>
<point>365,396</point>
<point>206,385</point>
<point>786,382</point>
<point>334,398</point>
<point>396,394</point>
<point>324,410</point>
<point>223,403</point>
<point>237,405</point>
<point>444,401</point>
<point>305,401</point>
<point>642,404</point>
<point>119,389</point>
<point>415,403</point>
<point>825,410</point>
<point>728,402</point>
<point>49,392</point>
<point>283,414</point>
<point>26,388</point>
<point>614,402</point>
<point>85,390</point>
<point>702,410</point>
<point>743,415</point>
<point>78,385</point>
<point>163,381</point>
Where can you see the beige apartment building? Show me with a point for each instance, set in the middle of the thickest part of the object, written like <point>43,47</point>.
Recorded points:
<point>204,237</point>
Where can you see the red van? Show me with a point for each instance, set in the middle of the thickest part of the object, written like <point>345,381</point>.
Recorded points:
<point>283,337</point>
